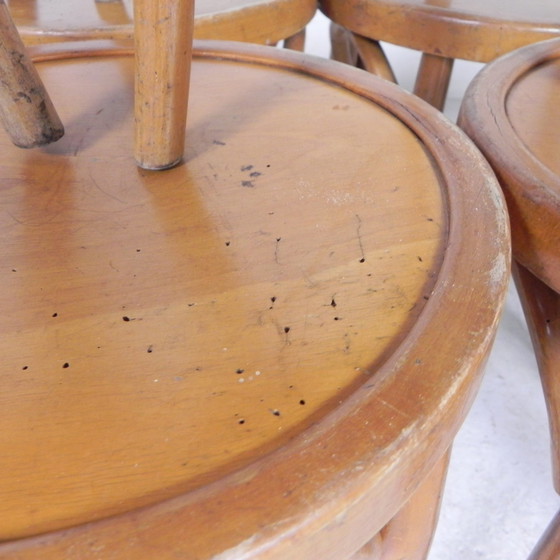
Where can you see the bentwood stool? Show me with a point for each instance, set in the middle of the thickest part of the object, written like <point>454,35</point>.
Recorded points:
<point>443,30</point>
<point>255,21</point>
<point>512,111</point>
<point>263,352</point>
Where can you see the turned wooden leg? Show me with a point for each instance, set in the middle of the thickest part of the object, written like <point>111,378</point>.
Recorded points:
<point>433,78</point>
<point>163,32</point>
<point>26,110</point>
<point>372,58</point>
<point>541,306</point>
<point>409,534</point>
<point>296,42</point>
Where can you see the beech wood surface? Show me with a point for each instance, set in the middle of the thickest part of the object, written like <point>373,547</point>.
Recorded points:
<point>260,353</point>
<point>254,21</point>
<point>512,112</point>
<point>477,30</point>
<point>26,111</point>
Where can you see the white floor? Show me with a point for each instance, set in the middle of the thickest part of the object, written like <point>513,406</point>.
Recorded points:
<point>499,496</point>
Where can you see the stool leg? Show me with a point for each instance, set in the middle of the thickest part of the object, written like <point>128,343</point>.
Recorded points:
<point>343,48</point>
<point>373,58</point>
<point>296,42</point>
<point>26,110</point>
<point>548,547</point>
<point>433,78</point>
<point>409,534</point>
<point>163,32</point>
<point>541,306</point>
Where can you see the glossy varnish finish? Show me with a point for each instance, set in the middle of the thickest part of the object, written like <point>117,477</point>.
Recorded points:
<point>511,111</point>
<point>262,21</point>
<point>244,344</point>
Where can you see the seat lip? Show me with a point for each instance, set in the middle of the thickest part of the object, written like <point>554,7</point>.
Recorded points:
<point>351,470</point>
<point>532,189</point>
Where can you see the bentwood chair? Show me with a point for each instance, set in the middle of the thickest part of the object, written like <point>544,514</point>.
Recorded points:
<point>443,30</point>
<point>255,21</point>
<point>234,358</point>
<point>511,111</point>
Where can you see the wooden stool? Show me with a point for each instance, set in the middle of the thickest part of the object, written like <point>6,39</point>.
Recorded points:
<point>476,30</point>
<point>512,112</point>
<point>261,21</point>
<point>264,352</point>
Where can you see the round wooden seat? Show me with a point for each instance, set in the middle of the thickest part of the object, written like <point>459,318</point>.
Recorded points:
<point>260,353</point>
<point>511,110</point>
<point>261,21</point>
<point>476,30</point>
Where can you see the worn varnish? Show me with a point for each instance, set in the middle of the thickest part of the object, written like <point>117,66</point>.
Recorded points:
<point>260,353</point>
<point>511,111</point>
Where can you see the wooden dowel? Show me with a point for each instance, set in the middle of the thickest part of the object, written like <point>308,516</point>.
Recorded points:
<point>163,34</point>
<point>26,110</point>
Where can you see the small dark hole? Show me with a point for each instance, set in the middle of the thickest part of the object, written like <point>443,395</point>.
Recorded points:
<point>126,319</point>
<point>150,349</point>
<point>337,318</point>
<point>276,412</point>
<point>333,303</point>
<point>228,243</point>
<point>273,299</point>
<point>138,250</point>
<point>362,260</point>
<point>239,371</point>
<point>25,367</point>
<point>286,330</point>
<point>302,402</point>
<point>55,314</point>
<point>241,421</point>
<point>65,365</point>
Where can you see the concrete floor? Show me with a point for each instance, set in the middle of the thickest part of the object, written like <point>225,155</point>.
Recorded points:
<point>499,496</point>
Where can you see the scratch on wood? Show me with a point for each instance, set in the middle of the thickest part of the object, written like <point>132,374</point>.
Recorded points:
<point>359,234</point>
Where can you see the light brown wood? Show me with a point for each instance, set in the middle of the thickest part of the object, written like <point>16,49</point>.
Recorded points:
<point>163,42</point>
<point>372,58</point>
<point>234,358</point>
<point>255,21</point>
<point>409,534</point>
<point>433,79</point>
<point>511,111</point>
<point>477,30</point>
<point>541,306</point>
<point>26,111</point>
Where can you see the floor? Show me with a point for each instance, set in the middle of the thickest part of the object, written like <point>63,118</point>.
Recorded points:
<point>499,496</point>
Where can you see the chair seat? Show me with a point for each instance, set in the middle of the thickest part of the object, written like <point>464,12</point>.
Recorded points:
<point>512,113</point>
<point>260,21</point>
<point>264,349</point>
<point>477,30</point>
